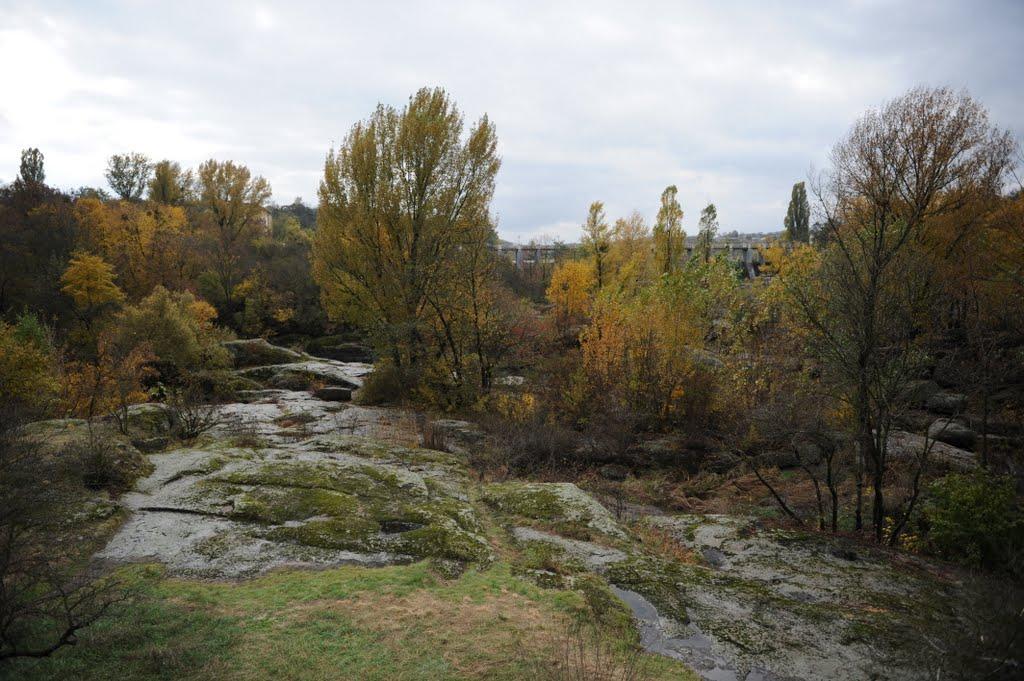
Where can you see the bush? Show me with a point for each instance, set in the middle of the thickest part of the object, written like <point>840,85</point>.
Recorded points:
<point>106,463</point>
<point>188,414</point>
<point>27,375</point>
<point>384,386</point>
<point>535,444</point>
<point>178,328</point>
<point>974,519</point>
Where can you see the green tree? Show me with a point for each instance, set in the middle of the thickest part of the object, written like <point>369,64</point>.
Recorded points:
<point>233,203</point>
<point>170,184</point>
<point>707,232</point>
<point>668,232</point>
<point>798,215</point>
<point>31,170</point>
<point>404,203</point>
<point>597,239</point>
<point>128,175</point>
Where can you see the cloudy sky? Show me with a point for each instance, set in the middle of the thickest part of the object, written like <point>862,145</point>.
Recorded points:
<point>731,101</point>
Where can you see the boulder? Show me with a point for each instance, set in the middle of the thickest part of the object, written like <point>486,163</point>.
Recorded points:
<point>343,352</point>
<point>614,472</point>
<point>148,445</point>
<point>908,446</point>
<point>148,419</point>
<point>252,352</point>
<point>917,393</point>
<point>781,458</point>
<point>914,420</point>
<point>670,451</point>
<point>946,403</point>
<point>300,375</point>
<point>333,393</point>
<point>721,462</point>
<point>952,432</point>
<point>456,436</point>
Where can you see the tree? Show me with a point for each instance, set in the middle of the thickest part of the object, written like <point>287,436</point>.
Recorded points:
<point>128,175</point>
<point>644,354</point>
<point>43,603</point>
<point>89,281</point>
<point>28,379</point>
<point>630,255</point>
<point>924,157</point>
<point>597,241</point>
<point>571,290</point>
<point>37,233</point>
<point>668,232</point>
<point>169,184</point>
<point>31,170</point>
<point>146,243</point>
<point>178,329</point>
<point>402,202</point>
<point>707,231</point>
<point>798,215</point>
<point>233,202</point>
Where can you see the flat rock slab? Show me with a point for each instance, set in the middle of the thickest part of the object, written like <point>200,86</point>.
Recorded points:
<point>594,556</point>
<point>300,375</point>
<point>234,506</point>
<point>768,604</point>
<point>552,502</point>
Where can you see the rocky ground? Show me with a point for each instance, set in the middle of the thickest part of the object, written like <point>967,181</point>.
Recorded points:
<point>295,475</point>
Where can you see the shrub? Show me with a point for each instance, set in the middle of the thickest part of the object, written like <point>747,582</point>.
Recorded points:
<point>178,327</point>
<point>107,464</point>
<point>534,444</point>
<point>27,375</point>
<point>974,519</point>
<point>189,416</point>
<point>384,386</point>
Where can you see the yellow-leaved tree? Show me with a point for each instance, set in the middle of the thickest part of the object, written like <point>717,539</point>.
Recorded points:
<point>89,281</point>
<point>571,291</point>
<point>403,229</point>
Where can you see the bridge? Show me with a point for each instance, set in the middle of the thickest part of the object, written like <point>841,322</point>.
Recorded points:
<point>746,252</point>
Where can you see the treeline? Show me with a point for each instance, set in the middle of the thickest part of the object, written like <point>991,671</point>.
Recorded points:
<point>911,270</point>
<point>914,273</point>
<point>106,297</point>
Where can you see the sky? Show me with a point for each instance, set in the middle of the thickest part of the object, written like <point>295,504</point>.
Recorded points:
<point>732,102</point>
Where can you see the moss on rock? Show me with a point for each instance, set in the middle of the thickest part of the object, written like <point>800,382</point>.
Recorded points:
<point>559,506</point>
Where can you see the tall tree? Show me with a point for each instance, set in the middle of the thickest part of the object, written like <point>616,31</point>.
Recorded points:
<point>927,156</point>
<point>668,232</point>
<point>128,175</point>
<point>31,170</point>
<point>402,206</point>
<point>707,231</point>
<point>597,239</point>
<point>798,215</point>
<point>170,184</point>
<point>233,203</point>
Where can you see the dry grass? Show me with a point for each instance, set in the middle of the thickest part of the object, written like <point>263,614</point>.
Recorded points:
<point>663,543</point>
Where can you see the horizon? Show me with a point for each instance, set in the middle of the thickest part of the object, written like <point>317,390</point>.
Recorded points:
<point>612,105</point>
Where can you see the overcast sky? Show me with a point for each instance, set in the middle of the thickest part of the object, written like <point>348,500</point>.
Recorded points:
<point>731,101</point>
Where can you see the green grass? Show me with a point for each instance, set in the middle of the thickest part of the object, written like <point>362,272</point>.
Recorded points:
<point>401,622</point>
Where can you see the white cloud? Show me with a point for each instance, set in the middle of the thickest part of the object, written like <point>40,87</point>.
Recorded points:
<point>593,100</point>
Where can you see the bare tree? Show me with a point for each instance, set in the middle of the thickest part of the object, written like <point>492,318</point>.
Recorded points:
<point>927,155</point>
<point>43,603</point>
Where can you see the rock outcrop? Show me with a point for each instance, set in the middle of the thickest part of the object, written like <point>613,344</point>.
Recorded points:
<point>952,432</point>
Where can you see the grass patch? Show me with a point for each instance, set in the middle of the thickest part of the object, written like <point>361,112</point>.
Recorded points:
<point>401,622</point>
